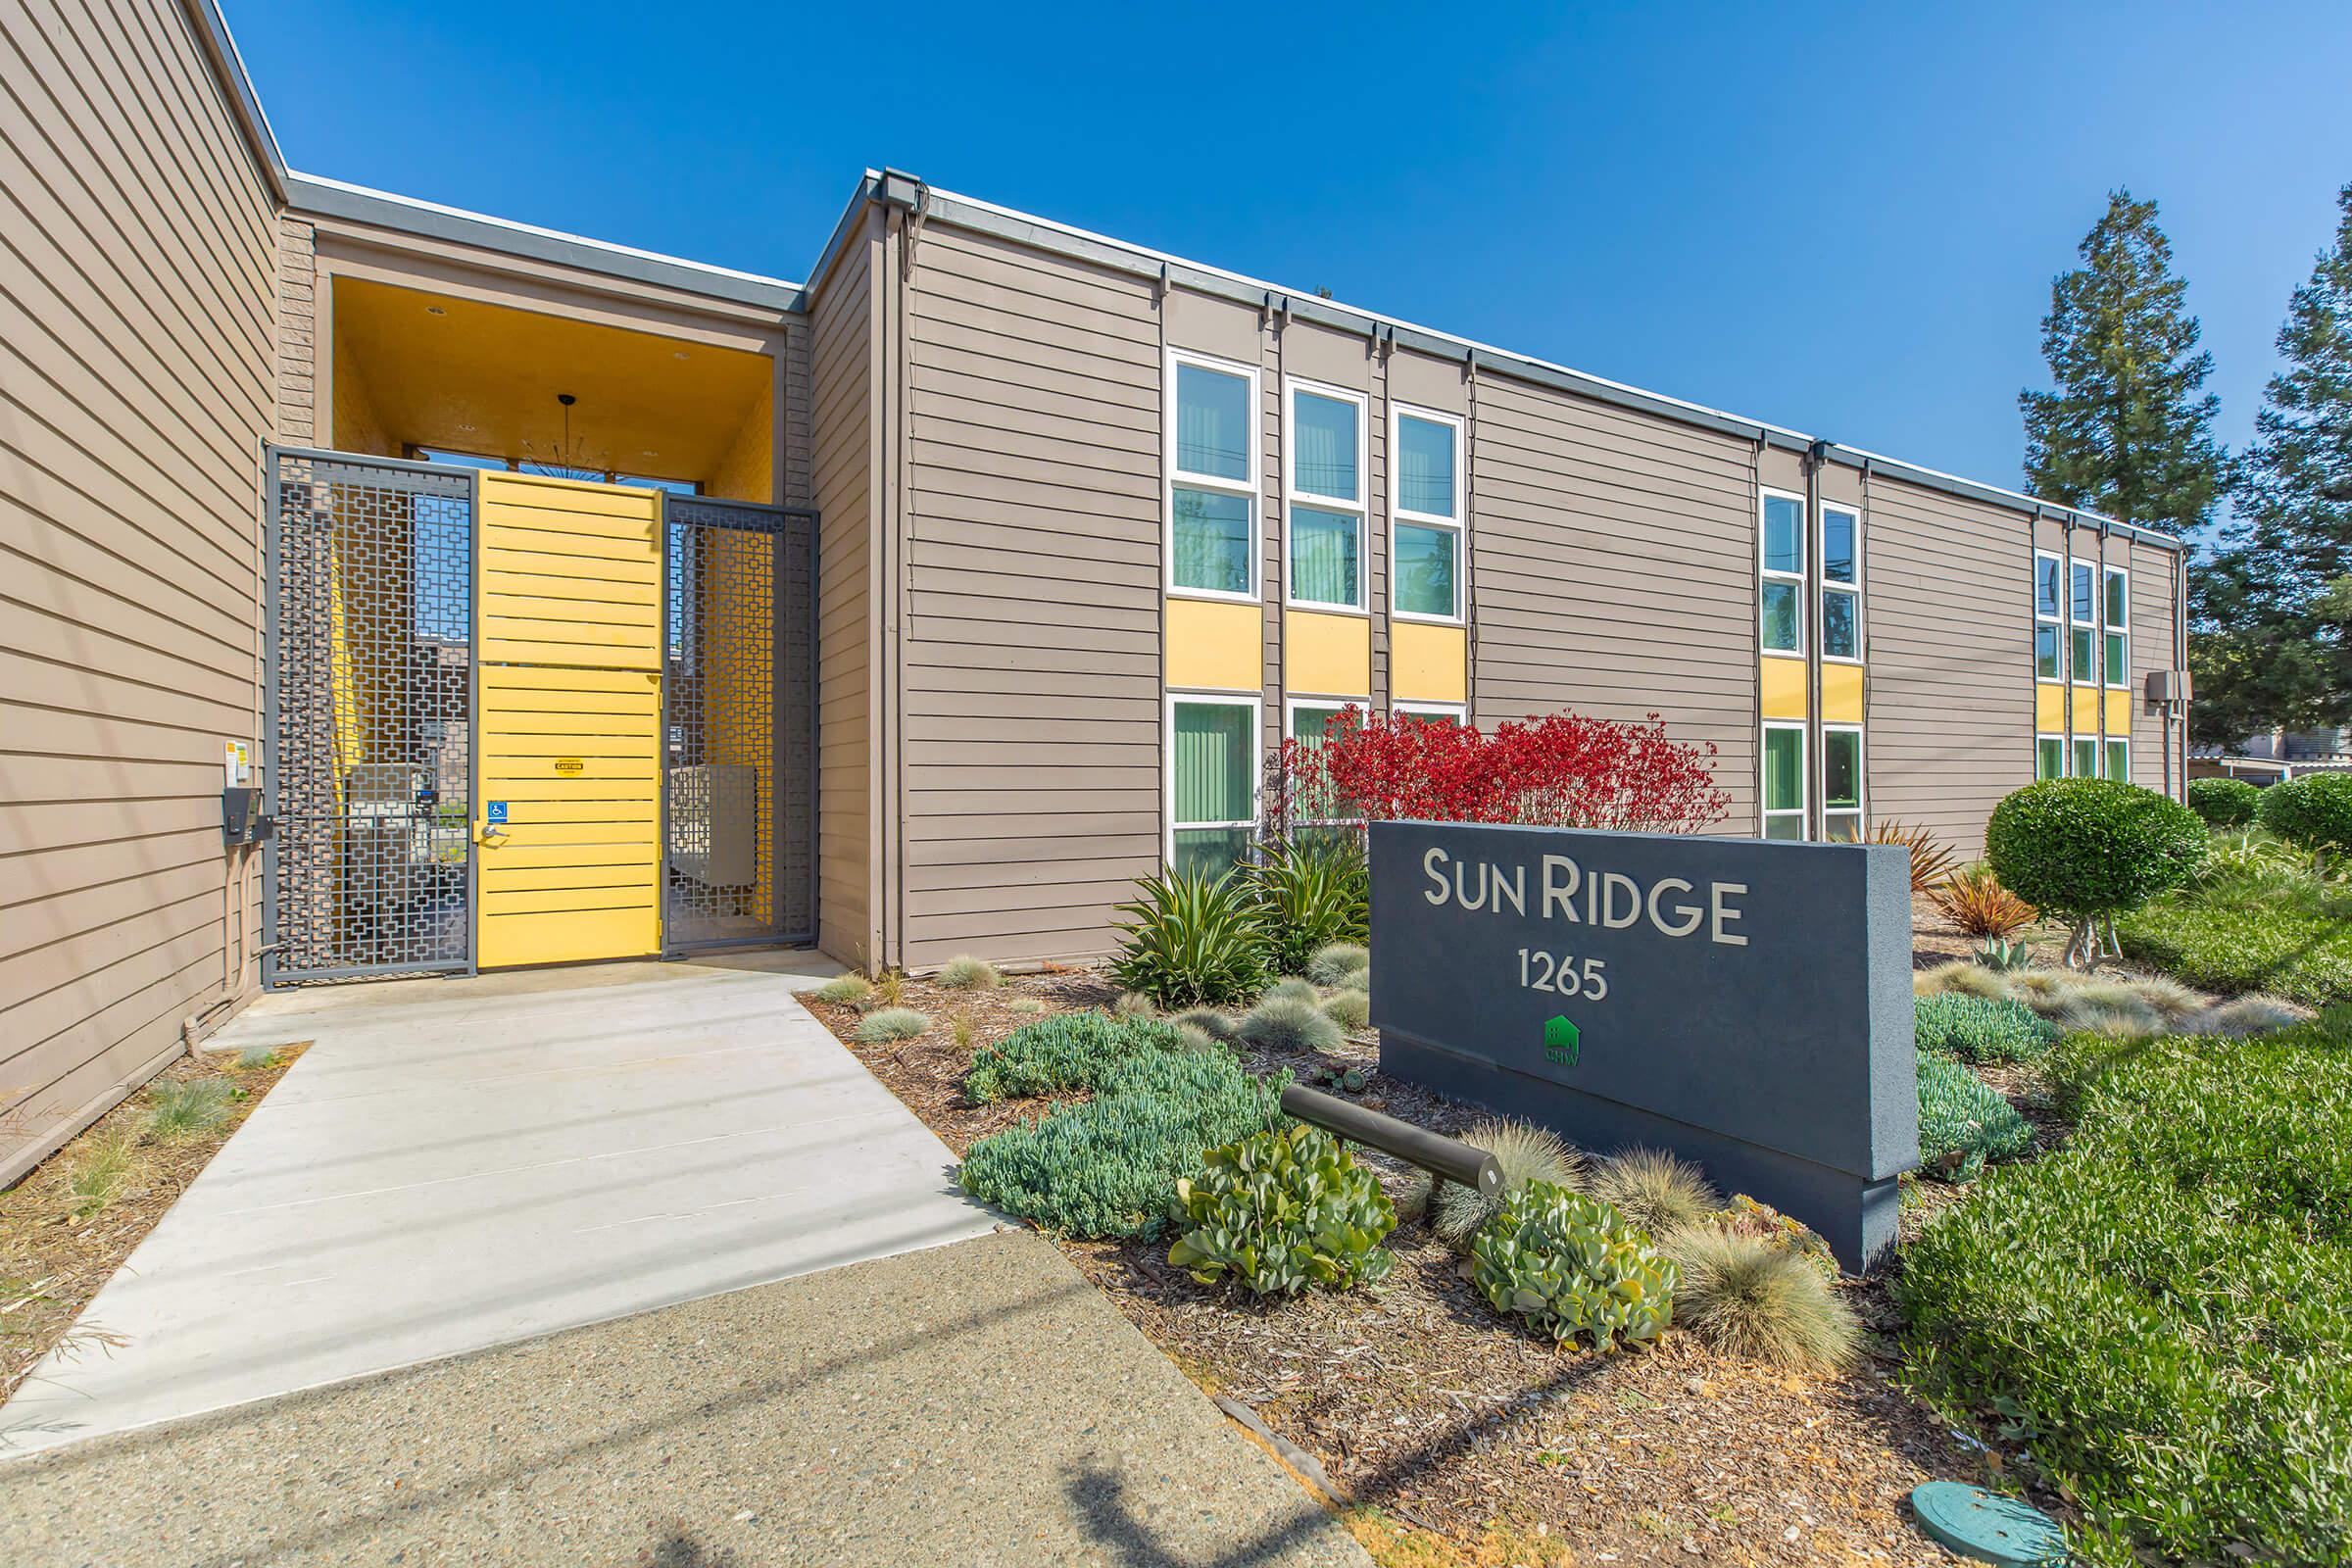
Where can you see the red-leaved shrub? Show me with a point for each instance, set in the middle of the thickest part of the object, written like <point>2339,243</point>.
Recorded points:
<point>1559,770</point>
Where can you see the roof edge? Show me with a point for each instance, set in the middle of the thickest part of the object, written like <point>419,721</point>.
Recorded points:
<point>1067,239</point>
<point>219,46</point>
<point>318,196</point>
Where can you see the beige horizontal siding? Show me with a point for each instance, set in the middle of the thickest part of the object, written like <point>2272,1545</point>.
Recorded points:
<point>1613,573</point>
<point>2153,624</point>
<point>1031,710</point>
<point>1948,600</point>
<point>137,365</point>
<point>845,446</point>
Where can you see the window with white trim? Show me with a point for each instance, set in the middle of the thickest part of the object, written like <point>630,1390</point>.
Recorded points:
<point>1841,584</point>
<point>2118,612</point>
<point>2050,614</point>
<point>2087,756</point>
<point>1450,713</point>
<point>1324,497</point>
<point>1212,477</point>
<point>2049,757</point>
<point>2119,760</point>
<point>1842,783</point>
<point>1321,820</point>
<point>1425,521</point>
<point>1212,780</point>
<point>1781,549</point>
<point>1785,780</point>
<point>2084,605</point>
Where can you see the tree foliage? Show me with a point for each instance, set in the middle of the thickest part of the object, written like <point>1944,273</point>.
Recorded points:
<point>2129,430</point>
<point>2273,609</point>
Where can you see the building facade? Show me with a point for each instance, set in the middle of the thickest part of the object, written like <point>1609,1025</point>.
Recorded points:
<point>915,609</point>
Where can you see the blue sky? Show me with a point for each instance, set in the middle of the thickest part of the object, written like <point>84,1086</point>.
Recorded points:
<point>1837,218</point>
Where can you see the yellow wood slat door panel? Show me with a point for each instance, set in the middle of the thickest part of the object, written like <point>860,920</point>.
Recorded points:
<point>569,697</point>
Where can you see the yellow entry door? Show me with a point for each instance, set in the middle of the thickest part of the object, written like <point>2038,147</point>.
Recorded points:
<point>568,696</point>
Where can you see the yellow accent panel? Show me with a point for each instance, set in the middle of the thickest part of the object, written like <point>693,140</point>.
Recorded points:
<point>2119,715</point>
<point>569,699</point>
<point>1841,694</point>
<point>1330,655</point>
<point>1784,688</point>
<point>1428,663</point>
<point>482,377</point>
<point>2049,708</point>
<point>1216,646</point>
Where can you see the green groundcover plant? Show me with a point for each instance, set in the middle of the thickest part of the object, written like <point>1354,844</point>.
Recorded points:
<point>1981,1028</point>
<point>2284,932</point>
<point>1109,1168</point>
<point>1571,1265</point>
<point>2160,1311</point>
<point>1963,1123</point>
<point>1061,1053</point>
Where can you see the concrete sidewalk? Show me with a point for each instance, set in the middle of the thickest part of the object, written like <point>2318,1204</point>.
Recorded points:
<point>459,1164</point>
<point>975,1405</point>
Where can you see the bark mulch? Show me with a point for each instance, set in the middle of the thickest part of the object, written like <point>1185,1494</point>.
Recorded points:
<point>64,1231</point>
<point>1460,1439</point>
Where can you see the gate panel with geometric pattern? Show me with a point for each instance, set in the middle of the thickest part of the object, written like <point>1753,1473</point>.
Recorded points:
<point>365,763</point>
<point>739,685</point>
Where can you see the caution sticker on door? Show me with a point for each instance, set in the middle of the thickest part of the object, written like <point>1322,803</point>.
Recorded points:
<point>568,766</point>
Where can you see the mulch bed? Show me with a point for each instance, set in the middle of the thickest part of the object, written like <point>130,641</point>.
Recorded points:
<point>53,1259</point>
<point>1421,1403</point>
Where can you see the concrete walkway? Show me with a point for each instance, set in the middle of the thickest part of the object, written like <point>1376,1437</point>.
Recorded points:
<point>976,1405</point>
<point>461,1163</point>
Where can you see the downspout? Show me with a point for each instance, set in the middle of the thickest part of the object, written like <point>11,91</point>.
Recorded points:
<point>1817,775</point>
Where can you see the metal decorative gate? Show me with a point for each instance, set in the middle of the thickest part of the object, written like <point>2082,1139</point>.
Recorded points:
<point>368,773</point>
<point>740,726</point>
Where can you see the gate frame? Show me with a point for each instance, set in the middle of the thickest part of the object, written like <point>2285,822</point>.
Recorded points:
<point>778,936</point>
<point>274,973</point>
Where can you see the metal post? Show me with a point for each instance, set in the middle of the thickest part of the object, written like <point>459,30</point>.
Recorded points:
<point>1450,1158</point>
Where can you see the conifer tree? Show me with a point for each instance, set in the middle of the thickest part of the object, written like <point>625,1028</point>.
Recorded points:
<point>2129,431</point>
<point>2273,610</point>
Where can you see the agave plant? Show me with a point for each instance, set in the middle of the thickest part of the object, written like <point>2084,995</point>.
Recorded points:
<point>1192,940</point>
<point>1931,859</point>
<point>1311,896</point>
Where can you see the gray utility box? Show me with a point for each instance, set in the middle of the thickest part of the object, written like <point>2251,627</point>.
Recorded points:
<point>713,823</point>
<point>1746,1004</point>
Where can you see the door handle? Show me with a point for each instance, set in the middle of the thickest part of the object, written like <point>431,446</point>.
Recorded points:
<point>487,836</point>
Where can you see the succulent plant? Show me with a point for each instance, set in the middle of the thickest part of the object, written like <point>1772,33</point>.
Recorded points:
<point>1282,1211</point>
<point>1571,1265</point>
<point>1526,1153</point>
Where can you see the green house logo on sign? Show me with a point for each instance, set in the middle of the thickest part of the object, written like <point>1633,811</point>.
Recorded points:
<point>1561,1041</point>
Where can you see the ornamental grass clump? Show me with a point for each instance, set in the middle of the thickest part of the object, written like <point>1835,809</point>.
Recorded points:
<point>1963,1122</point>
<point>1288,1023</point>
<point>1109,1166</point>
<point>1982,1029</point>
<point>1746,1216</point>
<point>1743,1297</point>
<point>1282,1211</point>
<point>1977,904</point>
<point>1192,939</point>
<point>1067,1052</point>
<point>2224,801</point>
<point>1349,1009</point>
<point>184,1107</point>
<point>845,990</point>
<point>1524,1152</point>
<point>1293,988</point>
<point>967,973</point>
<point>2086,850</point>
<point>1572,1266</point>
<point>1932,860</point>
<point>1655,1190</point>
<point>886,1024</point>
<point>1335,963</point>
<point>1209,1021</point>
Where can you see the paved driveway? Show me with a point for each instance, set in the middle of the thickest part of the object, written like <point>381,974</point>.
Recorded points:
<point>459,1164</point>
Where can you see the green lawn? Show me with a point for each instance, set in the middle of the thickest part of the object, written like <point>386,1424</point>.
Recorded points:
<point>2159,1311</point>
<point>2290,936</point>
